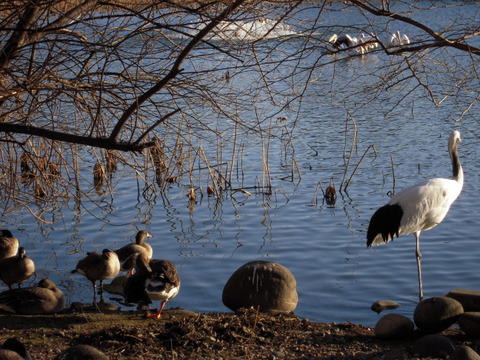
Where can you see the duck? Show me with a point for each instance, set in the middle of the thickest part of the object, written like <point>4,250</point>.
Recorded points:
<point>127,254</point>
<point>81,352</point>
<point>45,298</point>
<point>14,349</point>
<point>16,269</point>
<point>155,280</point>
<point>8,244</point>
<point>98,267</point>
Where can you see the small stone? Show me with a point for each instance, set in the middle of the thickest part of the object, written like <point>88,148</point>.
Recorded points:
<point>437,314</point>
<point>381,305</point>
<point>433,345</point>
<point>83,352</point>
<point>470,299</point>
<point>263,285</point>
<point>470,323</point>
<point>394,326</point>
<point>464,352</point>
<point>104,306</point>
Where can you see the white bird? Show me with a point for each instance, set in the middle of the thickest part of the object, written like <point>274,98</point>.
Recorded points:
<point>343,41</point>
<point>368,43</point>
<point>399,39</point>
<point>417,208</point>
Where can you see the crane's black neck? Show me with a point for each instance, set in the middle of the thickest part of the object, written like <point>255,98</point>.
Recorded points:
<point>456,165</point>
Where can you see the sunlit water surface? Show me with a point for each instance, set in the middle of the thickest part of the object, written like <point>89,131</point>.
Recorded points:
<point>325,247</point>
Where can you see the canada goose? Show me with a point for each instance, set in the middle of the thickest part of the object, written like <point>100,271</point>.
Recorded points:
<point>45,298</point>
<point>8,244</point>
<point>127,255</point>
<point>82,352</point>
<point>16,269</point>
<point>156,280</point>
<point>98,267</point>
<point>13,349</point>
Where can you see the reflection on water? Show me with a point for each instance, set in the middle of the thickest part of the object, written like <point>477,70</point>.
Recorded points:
<point>324,245</point>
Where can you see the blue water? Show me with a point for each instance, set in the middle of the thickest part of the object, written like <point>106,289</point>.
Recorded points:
<point>325,247</point>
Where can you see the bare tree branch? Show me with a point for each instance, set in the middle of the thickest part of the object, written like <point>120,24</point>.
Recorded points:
<point>440,40</point>
<point>174,70</point>
<point>104,143</point>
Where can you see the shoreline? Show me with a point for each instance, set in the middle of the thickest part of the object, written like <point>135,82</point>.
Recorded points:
<point>183,334</point>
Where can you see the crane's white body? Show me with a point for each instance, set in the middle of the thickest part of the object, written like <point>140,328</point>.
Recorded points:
<point>424,205</point>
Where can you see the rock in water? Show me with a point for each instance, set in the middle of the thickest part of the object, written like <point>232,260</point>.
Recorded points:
<point>470,323</point>
<point>380,305</point>
<point>437,314</point>
<point>394,326</point>
<point>264,285</point>
<point>433,345</point>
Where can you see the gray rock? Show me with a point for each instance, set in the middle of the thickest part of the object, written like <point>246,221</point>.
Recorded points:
<point>266,286</point>
<point>433,345</point>
<point>470,299</point>
<point>470,323</point>
<point>437,314</point>
<point>464,352</point>
<point>381,305</point>
<point>394,326</point>
<point>82,352</point>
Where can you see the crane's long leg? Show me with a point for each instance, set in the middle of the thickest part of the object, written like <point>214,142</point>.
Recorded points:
<point>418,255</point>
<point>94,294</point>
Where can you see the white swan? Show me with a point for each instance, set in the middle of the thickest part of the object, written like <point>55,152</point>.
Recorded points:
<point>368,43</point>
<point>343,41</point>
<point>398,39</point>
<point>252,30</point>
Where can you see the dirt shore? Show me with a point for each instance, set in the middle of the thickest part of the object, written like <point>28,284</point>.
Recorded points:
<point>181,334</point>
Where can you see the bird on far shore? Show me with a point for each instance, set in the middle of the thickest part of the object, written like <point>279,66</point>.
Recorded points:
<point>343,41</point>
<point>418,208</point>
<point>98,267</point>
<point>398,39</point>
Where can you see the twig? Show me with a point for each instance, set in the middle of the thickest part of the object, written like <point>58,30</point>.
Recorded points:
<point>356,167</point>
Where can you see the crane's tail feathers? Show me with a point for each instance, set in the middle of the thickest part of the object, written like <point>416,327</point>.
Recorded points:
<point>379,240</point>
<point>384,225</point>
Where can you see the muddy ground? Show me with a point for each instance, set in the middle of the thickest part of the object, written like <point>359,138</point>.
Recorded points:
<point>182,334</point>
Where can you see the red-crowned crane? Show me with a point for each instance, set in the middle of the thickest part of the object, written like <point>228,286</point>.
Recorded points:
<point>417,208</point>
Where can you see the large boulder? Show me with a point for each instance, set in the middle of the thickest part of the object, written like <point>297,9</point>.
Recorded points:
<point>437,314</point>
<point>464,352</point>
<point>470,323</point>
<point>433,345</point>
<point>394,326</point>
<point>264,285</point>
<point>470,299</point>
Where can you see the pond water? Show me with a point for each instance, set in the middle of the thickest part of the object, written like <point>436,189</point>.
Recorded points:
<point>324,246</point>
